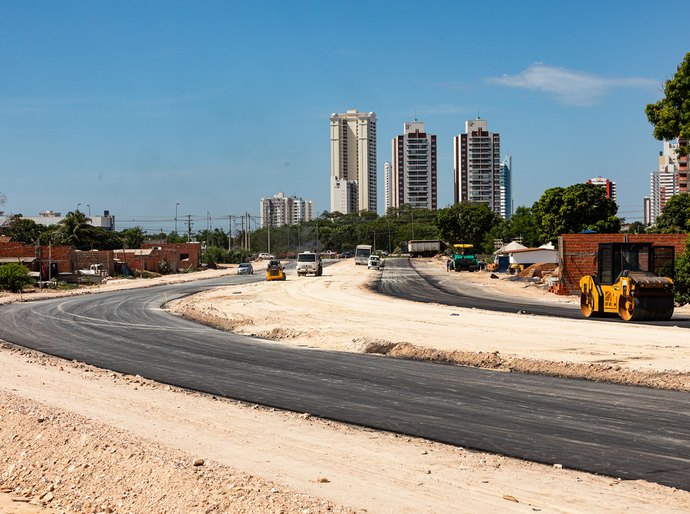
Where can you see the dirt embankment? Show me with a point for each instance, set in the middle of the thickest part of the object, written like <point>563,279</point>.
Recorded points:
<point>338,311</point>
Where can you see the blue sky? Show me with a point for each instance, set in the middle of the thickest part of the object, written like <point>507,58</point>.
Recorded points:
<point>134,106</point>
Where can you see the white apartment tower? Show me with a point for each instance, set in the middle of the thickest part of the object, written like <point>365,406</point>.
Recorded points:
<point>414,179</point>
<point>665,182</point>
<point>477,163</point>
<point>388,185</point>
<point>353,161</point>
<point>284,210</point>
<point>505,179</point>
<point>608,185</point>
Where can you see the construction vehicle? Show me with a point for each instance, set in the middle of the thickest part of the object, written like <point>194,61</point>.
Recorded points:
<point>632,282</point>
<point>464,258</point>
<point>274,270</point>
<point>425,248</point>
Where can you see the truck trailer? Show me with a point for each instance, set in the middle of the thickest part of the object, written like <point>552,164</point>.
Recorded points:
<point>425,248</point>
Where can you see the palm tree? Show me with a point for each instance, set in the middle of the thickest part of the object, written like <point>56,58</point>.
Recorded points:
<point>74,229</point>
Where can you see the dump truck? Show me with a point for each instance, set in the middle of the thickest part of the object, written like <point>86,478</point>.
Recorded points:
<point>425,248</point>
<point>464,258</point>
<point>632,281</point>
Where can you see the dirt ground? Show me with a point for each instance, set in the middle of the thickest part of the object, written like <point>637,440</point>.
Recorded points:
<point>78,439</point>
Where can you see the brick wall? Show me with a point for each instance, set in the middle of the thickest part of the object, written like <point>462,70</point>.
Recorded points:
<point>179,255</point>
<point>89,257</point>
<point>63,256</point>
<point>577,253</point>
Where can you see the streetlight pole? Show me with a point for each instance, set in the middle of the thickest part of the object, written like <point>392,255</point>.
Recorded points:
<point>89,207</point>
<point>176,206</point>
<point>78,207</point>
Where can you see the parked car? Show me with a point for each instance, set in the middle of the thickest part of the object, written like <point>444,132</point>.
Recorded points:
<point>245,268</point>
<point>345,255</point>
<point>374,262</point>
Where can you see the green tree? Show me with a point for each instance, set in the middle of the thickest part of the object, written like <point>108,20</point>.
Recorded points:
<point>636,227</point>
<point>467,223</point>
<point>520,225</point>
<point>681,282</point>
<point>133,237</point>
<point>671,115</point>
<point>573,209</point>
<point>14,277</point>
<point>74,230</point>
<point>24,230</point>
<point>675,218</point>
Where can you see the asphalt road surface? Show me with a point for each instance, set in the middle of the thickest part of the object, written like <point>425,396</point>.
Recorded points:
<point>626,432</point>
<point>402,279</point>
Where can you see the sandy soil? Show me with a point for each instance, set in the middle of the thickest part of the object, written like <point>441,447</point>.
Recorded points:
<point>76,438</point>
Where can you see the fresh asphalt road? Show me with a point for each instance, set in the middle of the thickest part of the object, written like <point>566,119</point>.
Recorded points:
<point>627,432</point>
<point>402,279</point>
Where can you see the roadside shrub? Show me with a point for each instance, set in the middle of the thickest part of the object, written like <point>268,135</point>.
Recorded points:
<point>14,277</point>
<point>682,276</point>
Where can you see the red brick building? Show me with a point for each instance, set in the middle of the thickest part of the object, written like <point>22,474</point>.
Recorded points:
<point>578,253</point>
<point>65,259</point>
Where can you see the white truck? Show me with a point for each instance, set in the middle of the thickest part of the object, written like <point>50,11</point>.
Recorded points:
<point>309,263</point>
<point>362,253</point>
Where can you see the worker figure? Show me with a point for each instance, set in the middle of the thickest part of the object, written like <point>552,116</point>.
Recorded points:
<point>448,265</point>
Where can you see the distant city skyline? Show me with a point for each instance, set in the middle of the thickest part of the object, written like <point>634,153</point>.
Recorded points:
<point>199,110</point>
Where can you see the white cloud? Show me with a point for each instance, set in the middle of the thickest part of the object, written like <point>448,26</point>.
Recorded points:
<point>568,86</point>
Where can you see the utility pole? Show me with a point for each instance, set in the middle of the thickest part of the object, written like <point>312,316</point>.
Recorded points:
<point>229,233</point>
<point>189,228</point>
<point>249,233</point>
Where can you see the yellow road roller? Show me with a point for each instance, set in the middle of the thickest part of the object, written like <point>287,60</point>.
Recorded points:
<point>632,281</point>
<point>274,270</point>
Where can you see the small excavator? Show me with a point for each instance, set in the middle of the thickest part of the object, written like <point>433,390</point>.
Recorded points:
<point>632,281</point>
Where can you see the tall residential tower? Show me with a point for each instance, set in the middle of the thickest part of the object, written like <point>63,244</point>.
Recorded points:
<point>353,161</point>
<point>477,166</point>
<point>414,168</point>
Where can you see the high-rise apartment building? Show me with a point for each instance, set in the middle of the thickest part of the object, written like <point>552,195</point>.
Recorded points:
<point>284,210</point>
<point>505,180</point>
<point>667,181</point>
<point>353,160</point>
<point>414,168</point>
<point>477,162</point>
<point>388,185</point>
<point>608,185</point>
<point>647,210</point>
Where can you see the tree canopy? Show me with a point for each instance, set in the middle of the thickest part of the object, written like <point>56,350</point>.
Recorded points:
<point>675,218</point>
<point>467,223</point>
<point>574,209</point>
<point>671,115</point>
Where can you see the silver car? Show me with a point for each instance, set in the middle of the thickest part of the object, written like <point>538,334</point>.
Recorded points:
<point>245,268</point>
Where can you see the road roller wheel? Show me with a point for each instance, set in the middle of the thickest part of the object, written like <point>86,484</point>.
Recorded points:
<point>626,307</point>
<point>646,308</point>
<point>587,304</point>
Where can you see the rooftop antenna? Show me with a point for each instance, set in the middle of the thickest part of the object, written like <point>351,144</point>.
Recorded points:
<point>415,115</point>
<point>478,114</point>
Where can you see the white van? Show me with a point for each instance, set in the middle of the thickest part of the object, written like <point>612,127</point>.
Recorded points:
<point>362,253</point>
<point>309,263</point>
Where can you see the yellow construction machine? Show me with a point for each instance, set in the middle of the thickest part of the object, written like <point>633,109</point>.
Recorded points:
<point>274,270</point>
<point>631,281</point>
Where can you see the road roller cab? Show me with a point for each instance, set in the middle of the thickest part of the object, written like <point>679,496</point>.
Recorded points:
<point>632,281</point>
